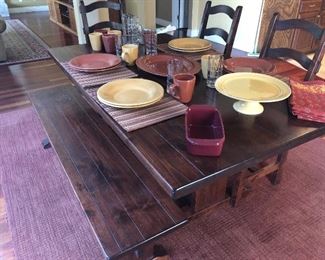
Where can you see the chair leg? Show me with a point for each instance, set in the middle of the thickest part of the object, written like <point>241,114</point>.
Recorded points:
<point>237,189</point>
<point>275,177</point>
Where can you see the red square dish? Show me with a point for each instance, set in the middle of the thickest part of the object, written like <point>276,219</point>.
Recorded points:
<point>204,130</point>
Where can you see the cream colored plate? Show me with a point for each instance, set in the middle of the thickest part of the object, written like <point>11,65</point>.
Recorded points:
<point>250,89</point>
<point>190,51</point>
<point>189,44</point>
<point>130,93</point>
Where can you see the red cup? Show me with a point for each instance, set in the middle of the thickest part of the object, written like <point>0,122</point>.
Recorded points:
<point>103,31</point>
<point>109,41</point>
<point>183,86</point>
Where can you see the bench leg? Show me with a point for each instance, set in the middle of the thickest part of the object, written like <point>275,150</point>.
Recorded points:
<point>237,189</point>
<point>46,143</point>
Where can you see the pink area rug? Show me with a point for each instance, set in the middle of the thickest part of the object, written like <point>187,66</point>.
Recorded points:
<point>45,216</point>
<point>286,221</point>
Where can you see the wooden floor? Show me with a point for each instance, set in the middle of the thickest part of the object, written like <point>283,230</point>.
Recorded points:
<point>18,80</point>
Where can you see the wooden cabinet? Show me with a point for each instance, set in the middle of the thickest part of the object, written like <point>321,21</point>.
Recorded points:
<point>62,13</point>
<point>322,15</point>
<point>311,10</point>
<point>302,40</point>
<point>287,9</point>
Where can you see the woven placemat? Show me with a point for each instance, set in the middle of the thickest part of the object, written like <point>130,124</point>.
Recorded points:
<point>133,119</point>
<point>85,79</point>
<point>190,55</point>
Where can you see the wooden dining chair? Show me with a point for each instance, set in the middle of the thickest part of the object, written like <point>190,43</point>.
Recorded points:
<point>228,37</point>
<point>115,10</point>
<point>272,167</point>
<point>311,65</point>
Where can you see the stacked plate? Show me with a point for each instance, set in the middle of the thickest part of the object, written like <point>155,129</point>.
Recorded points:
<point>95,62</point>
<point>130,93</point>
<point>189,45</point>
<point>157,64</point>
<point>247,64</point>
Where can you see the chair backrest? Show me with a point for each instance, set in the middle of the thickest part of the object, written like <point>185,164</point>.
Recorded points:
<point>311,65</point>
<point>109,5</point>
<point>228,37</point>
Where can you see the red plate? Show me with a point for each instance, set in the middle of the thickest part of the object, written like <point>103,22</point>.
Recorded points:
<point>245,64</point>
<point>157,64</point>
<point>94,62</point>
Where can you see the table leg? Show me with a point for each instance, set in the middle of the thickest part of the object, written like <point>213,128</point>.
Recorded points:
<point>275,177</point>
<point>209,195</point>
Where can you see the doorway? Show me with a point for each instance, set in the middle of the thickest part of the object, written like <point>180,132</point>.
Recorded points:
<point>172,12</point>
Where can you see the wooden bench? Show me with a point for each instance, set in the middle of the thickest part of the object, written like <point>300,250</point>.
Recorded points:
<point>124,204</point>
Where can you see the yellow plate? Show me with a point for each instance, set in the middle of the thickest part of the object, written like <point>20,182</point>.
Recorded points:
<point>130,93</point>
<point>189,51</point>
<point>256,87</point>
<point>189,44</point>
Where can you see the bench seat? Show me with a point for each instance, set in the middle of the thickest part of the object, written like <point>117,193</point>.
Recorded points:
<point>124,204</point>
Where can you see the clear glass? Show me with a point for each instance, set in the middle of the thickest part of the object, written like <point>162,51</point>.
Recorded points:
<point>215,69</point>
<point>132,26</point>
<point>174,66</point>
<point>150,41</point>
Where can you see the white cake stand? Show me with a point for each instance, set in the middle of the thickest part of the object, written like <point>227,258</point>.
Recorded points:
<point>251,89</point>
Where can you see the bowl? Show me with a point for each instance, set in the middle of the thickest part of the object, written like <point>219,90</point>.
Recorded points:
<point>204,131</point>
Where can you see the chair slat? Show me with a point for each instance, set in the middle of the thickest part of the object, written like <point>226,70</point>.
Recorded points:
<point>102,4</point>
<point>318,33</point>
<point>228,37</point>
<point>290,53</point>
<point>109,5</point>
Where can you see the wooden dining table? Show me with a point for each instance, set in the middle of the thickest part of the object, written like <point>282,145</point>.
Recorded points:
<point>152,163</point>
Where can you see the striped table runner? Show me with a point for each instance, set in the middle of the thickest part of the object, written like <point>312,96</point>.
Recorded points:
<point>190,55</point>
<point>133,119</point>
<point>85,79</point>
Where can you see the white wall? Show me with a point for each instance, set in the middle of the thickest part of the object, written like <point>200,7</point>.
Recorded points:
<point>93,17</point>
<point>144,9</point>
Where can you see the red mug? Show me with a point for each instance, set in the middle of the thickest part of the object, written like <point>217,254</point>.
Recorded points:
<point>183,86</point>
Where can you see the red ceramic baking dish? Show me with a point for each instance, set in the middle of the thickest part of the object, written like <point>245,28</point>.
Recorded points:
<point>204,130</point>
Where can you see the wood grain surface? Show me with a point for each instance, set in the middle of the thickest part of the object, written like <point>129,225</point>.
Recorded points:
<point>287,9</point>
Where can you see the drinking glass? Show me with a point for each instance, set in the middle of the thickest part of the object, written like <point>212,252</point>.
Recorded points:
<point>215,69</point>
<point>96,41</point>
<point>174,66</point>
<point>109,42</point>
<point>150,41</point>
<point>132,26</point>
<point>118,41</point>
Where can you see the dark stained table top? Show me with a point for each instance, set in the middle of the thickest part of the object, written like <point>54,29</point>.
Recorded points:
<point>249,139</point>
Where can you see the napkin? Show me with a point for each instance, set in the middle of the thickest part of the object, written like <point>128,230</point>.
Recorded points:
<point>308,100</point>
<point>166,29</point>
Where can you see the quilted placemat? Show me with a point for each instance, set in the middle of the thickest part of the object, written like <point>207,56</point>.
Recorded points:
<point>133,119</point>
<point>85,79</point>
